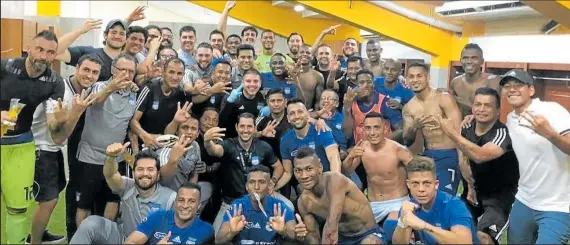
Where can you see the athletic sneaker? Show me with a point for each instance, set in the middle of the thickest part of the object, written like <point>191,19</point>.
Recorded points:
<point>48,238</point>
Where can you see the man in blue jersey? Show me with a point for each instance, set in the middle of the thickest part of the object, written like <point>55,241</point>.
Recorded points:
<point>432,216</point>
<point>247,222</point>
<point>328,112</point>
<point>305,134</point>
<point>178,226</point>
<point>389,85</point>
<point>277,78</point>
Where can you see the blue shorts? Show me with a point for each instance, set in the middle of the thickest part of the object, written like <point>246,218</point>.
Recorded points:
<point>447,169</point>
<point>358,239</point>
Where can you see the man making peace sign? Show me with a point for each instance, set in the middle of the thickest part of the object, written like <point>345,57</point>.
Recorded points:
<point>257,218</point>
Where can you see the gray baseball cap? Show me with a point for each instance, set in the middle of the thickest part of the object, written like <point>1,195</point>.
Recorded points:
<point>114,23</point>
<point>520,75</point>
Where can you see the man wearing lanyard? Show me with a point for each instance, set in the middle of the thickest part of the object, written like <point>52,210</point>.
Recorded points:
<point>238,154</point>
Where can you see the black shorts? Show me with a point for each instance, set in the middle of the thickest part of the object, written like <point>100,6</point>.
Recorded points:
<point>49,175</point>
<point>94,187</point>
<point>492,213</point>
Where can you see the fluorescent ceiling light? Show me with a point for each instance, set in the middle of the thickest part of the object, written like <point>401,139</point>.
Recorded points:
<point>458,5</point>
<point>299,8</point>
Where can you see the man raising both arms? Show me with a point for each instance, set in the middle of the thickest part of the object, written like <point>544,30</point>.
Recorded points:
<point>387,181</point>
<point>333,197</point>
<point>420,114</point>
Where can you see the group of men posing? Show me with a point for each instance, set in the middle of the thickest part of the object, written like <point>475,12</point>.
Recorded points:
<point>150,161</point>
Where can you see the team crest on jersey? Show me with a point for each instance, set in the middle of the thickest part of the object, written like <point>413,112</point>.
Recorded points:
<point>312,145</point>
<point>287,90</point>
<point>132,98</point>
<point>294,153</point>
<point>338,126</point>
<point>154,207</point>
<point>259,106</point>
<point>155,105</point>
<point>255,160</point>
<point>191,240</point>
<point>213,100</point>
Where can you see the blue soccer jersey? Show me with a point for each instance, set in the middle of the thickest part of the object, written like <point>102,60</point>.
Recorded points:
<point>319,142</point>
<point>158,224</point>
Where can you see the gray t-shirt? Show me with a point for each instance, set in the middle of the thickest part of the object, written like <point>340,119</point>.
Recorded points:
<point>135,209</point>
<point>185,165</point>
<point>105,124</point>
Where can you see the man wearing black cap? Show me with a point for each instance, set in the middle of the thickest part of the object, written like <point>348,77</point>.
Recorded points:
<point>540,134</point>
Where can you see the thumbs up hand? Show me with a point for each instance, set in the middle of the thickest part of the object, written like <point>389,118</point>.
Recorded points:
<point>300,228</point>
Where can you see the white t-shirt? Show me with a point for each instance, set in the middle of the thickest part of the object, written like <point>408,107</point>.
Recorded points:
<point>42,136</point>
<point>544,183</point>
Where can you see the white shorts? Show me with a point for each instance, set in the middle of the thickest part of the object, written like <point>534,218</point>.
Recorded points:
<point>383,208</point>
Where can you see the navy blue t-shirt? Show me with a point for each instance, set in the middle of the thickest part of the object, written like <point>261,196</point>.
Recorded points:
<point>158,224</point>
<point>268,82</point>
<point>447,211</point>
<point>319,142</point>
<point>257,229</point>
<point>399,93</point>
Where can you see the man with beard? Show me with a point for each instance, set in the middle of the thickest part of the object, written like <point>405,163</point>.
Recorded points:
<point>139,198</point>
<point>156,105</point>
<point>310,81</point>
<point>294,41</point>
<point>387,181</point>
<point>493,163</point>
<point>220,86</point>
<point>263,60</point>
<point>115,38</point>
<point>278,78</point>
<point>432,216</point>
<point>325,63</point>
<point>363,100</point>
<point>348,80</point>
<point>420,114</point>
<point>33,82</point>
<point>136,37</point>
<point>239,154</point>
<point>181,225</point>
<point>49,170</point>
<point>271,128</point>
<point>246,98</point>
<point>305,133</point>
<point>463,87</point>
<point>389,85</point>
<point>202,70</point>
<point>374,54</point>
<point>246,61</point>
<point>249,35</point>
<point>257,217</point>
<point>166,34</point>
<point>332,197</point>
<point>187,41</point>
<point>232,43</point>
<point>349,48</point>
<point>106,121</point>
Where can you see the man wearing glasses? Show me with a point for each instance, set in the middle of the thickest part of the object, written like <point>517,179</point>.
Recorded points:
<point>106,121</point>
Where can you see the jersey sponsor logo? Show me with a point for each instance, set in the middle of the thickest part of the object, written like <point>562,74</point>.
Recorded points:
<point>448,186</point>
<point>493,228</point>
<point>294,153</point>
<point>247,242</point>
<point>242,107</point>
<point>176,239</point>
<point>338,126</point>
<point>255,160</point>
<point>251,225</point>
<point>155,105</point>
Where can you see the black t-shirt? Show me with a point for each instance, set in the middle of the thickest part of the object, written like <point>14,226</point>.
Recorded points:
<point>230,111</point>
<point>343,85</point>
<point>214,101</point>
<point>498,174</point>
<point>78,51</point>
<point>158,109</point>
<point>16,84</point>
<point>236,161</point>
<point>209,160</point>
<point>280,130</point>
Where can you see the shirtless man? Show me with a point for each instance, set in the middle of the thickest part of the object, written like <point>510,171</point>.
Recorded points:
<point>463,87</point>
<point>386,181</point>
<point>332,197</point>
<point>420,113</point>
<point>374,53</point>
<point>311,81</point>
